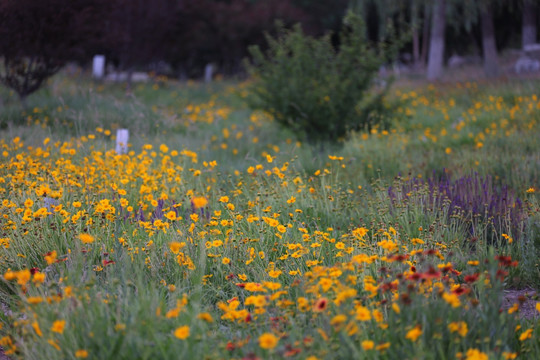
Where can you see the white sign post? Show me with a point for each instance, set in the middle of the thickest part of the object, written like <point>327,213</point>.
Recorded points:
<point>122,138</point>
<point>98,67</point>
<point>208,73</point>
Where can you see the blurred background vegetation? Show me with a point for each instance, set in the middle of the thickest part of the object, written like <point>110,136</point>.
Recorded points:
<point>180,37</point>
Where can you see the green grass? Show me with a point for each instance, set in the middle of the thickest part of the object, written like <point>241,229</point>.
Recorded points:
<point>293,221</point>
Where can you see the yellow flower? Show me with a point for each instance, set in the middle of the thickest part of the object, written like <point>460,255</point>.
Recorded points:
<point>509,356</point>
<point>452,299</point>
<point>527,334</point>
<point>363,314</point>
<point>338,320</point>
<point>460,327</point>
<point>171,215</point>
<point>268,341</point>
<point>531,190</point>
<point>86,238</point>
<point>182,332</point>
<point>39,277</point>
<point>199,202</point>
<point>383,346</point>
<point>474,354</point>
<point>58,326</point>
<point>274,273</point>
<point>51,257</point>
<point>224,199</point>
<point>175,246</point>
<point>34,300</point>
<point>36,328</point>
<point>206,317</point>
<point>82,354</point>
<point>23,276</point>
<point>414,333</point>
<point>226,261</point>
<point>368,345</point>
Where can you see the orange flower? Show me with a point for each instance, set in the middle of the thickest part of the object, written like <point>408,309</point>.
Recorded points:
<point>58,326</point>
<point>199,202</point>
<point>414,333</point>
<point>320,305</point>
<point>182,332</point>
<point>86,238</point>
<point>268,341</point>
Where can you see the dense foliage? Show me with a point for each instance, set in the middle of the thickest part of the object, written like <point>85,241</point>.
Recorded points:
<point>320,93</point>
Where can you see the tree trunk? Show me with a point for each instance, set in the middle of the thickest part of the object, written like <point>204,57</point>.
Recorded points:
<point>491,66</point>
<point>528,34</point>
<point>416,34</point>
<point>425,35</point>
<point>436,44</point>
<point>22,100</point>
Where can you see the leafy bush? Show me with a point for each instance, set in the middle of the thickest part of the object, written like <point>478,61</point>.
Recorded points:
<point>318,91</point>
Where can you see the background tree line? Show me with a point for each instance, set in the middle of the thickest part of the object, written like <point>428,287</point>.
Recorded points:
<point>40,36</point>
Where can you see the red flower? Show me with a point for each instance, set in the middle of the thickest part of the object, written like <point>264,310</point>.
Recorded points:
<point>415,277</point>
<point>432,273</point>
<point>501,274</point>
<point>460,290</point>
<point>291,351</point>
<point>469,279</point>
<point>399,257</point>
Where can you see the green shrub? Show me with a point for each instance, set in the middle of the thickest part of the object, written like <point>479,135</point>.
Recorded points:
<point>320,92</point>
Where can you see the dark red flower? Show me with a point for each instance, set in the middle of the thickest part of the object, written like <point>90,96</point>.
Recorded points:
<point>399,257</point>
<point>469,279</point>
<point>432,273</point>
<point>501,274</point>
<point>290,351</point>
<point>460,290</point>
<point>415,277</point>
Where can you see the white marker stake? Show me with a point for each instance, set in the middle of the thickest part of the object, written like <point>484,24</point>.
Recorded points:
<point>122,138</point>
<point>98,67</point>
<point>208,73</point>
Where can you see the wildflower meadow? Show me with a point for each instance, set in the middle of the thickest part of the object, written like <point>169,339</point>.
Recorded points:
<point>220,235</point>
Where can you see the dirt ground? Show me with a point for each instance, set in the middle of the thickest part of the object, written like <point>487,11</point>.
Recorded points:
<point>526,298</point>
